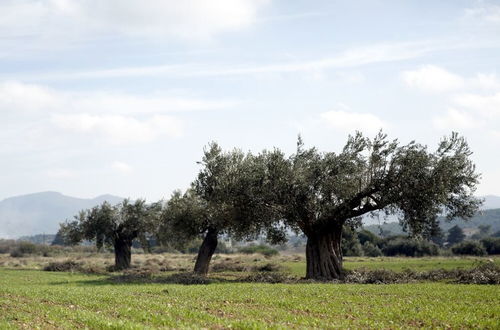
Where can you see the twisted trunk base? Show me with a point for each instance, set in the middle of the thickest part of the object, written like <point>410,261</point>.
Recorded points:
<point>206,252</point>
<point>122,254</point>
<point>324,256</point>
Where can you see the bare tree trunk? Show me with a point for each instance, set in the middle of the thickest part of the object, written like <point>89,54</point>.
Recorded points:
<point>206,252</point>
<point>122,254</point>
<point>324,255</point>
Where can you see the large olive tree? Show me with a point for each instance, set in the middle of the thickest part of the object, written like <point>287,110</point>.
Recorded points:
<point>227,198</point>
<point>317,193</point>
<point>116,226</point>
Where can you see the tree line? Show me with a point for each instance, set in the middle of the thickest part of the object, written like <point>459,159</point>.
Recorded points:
<point>244,195</point>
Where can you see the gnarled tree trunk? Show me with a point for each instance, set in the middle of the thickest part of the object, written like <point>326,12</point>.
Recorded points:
<point>324,255</point>
<point>122,253</point>
<point>206,252</point>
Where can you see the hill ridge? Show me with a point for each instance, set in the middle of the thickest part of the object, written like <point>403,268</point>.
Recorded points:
<point>42,212</point>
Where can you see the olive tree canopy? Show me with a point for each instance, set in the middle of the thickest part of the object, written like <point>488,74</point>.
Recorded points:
<point>318,192</point>
<point>117,226</point>
<point>227,198</point>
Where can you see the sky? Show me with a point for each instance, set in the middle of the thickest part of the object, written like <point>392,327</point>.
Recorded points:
<point>120,96</point>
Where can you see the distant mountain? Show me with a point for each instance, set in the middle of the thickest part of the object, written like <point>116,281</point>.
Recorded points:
<point>486,217</point>
<point>42,212</point>
<point>491,202</point>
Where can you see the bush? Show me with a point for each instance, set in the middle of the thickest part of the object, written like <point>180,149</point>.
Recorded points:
<point>472,248</point>
<point>367,236</point>
<point>22,249</point>
<point>262,249</point>
<point>410,248</point>
<point>27,248</point>
<point>7,245</point>
<point>491,244</point>
<point>371,250</point>
<point>16,253</point>
<point>192,246</point>
<point>222,248</point>
<point>350,242</point>
<point>352,249</point>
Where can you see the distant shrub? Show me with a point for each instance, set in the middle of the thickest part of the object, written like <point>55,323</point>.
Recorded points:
<point>371,250</point>
<point>353,249</point>
<point>163,249</point>
<point>192,246</point>
<point>16,253</point>
<point>22,249</point>
<point>491,244</point>
<point>262,249</point>
<point>223,248</point>
<point>7,245</point>
<point>410,248</point>
<point>367,236</point>
<point>27,248</point>
<point>472,248</point>
<point>350,242</point>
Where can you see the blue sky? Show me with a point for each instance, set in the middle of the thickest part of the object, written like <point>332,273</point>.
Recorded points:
<point>120,96</point>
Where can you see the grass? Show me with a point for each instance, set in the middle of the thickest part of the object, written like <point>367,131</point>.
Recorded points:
<point>31,298</point>
<point>398,264</point>
<point>34,298</point>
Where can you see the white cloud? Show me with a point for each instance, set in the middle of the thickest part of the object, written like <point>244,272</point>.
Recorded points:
<point>117,129</point>
<point>125,103</point>
<point>486,81</point>
<point>456,120</point>
<point>473,102</point>
<point>16,96</point>
<point>355,77</point>
<point>351,58</point>
<point>432,78</point>
<point>117,118</point>
<point>484,13</point>
<point>67,19</point>
<point>486,105</point>
<point>122,167</point>
<point>351,121</point>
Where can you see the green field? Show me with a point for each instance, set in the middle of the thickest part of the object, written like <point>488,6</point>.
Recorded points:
<point>398,264</point>
<point>33,298</point>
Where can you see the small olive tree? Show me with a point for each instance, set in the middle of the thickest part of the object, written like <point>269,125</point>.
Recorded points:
<point>115,226</point>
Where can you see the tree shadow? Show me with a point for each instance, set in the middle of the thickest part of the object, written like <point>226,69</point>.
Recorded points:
<point>134,279</point>
<point>186,278</point>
